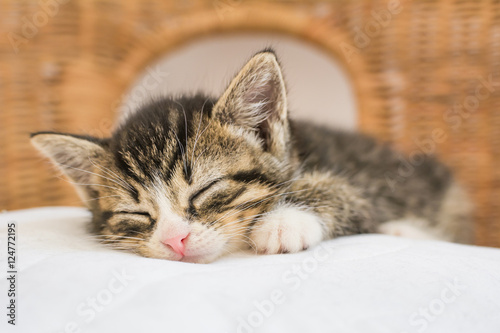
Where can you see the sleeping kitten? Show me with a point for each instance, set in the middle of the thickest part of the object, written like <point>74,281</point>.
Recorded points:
<point>193,178</point>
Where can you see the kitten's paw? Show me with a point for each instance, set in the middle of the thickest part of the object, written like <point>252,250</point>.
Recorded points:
<point>410,228</point>
<point>287,229</point>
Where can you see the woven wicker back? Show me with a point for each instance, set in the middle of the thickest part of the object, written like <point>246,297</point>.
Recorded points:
<point>426,74</point>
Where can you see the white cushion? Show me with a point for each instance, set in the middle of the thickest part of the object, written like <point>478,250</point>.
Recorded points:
<point>365,283</point>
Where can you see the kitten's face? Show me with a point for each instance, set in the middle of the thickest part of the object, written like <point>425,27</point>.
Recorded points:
<point>207,192</point>
<point>186,179</point>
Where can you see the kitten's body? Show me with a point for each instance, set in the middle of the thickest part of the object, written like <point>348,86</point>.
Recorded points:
<point>193,178</point>
<point>418,190</point>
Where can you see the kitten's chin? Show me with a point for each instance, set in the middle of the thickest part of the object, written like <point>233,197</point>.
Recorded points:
<point>205,258</point>
<point>199,259</point>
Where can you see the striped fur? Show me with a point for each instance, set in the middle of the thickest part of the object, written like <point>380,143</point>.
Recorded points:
<point>238,173</point>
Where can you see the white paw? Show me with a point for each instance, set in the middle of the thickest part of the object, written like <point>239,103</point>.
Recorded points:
<point>287,229</point>
<point>409,228</point>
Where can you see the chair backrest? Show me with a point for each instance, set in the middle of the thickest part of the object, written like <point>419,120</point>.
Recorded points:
<point>426,75</point>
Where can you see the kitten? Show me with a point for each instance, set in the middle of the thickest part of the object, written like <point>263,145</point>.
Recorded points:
<point>193,178</point>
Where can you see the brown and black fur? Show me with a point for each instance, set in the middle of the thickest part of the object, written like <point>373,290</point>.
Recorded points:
<point>223,164</point>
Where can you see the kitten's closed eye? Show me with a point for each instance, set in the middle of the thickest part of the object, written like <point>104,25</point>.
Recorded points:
<point>135,213</point>
<point>131,222</point>
<point>217,195</point>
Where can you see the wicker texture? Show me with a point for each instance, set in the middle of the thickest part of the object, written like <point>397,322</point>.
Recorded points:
<point>422,71</point>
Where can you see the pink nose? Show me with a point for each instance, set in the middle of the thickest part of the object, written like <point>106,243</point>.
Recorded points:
<point>177,243</point>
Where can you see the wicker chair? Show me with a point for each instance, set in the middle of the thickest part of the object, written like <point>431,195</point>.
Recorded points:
<point>426,74</point>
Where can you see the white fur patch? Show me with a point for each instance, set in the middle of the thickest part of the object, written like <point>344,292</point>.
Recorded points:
<point>287,229</point>
<point>410,228</point>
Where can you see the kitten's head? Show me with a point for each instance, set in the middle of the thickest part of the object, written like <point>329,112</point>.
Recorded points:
<point>186,179</point>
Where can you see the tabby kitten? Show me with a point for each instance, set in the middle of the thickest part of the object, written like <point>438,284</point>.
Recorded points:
<point>193,178</point>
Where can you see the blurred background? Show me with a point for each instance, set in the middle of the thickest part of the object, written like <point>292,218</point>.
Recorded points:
<point>423,76</point>
<point>319,90</point>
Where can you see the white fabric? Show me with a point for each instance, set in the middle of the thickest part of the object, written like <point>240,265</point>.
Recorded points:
<point>365,283</point>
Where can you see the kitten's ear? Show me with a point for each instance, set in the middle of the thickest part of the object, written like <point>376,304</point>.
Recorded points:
<point>75,155</point>
<point>256,99</point>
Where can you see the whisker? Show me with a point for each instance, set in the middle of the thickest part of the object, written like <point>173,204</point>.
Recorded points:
<point>198,132</point>
<point>105,196</point>
<point>245,240</point>
<point>237,210</point>
<point>81,184</point>
<point>186,142</point>
<point>243,219</point>
<point>197,157</point>
<point>113,239</point>
<point>182,152</point>
<point>271,187</point>
<point>89,172</point>
<point>115,178</point>
<point>119,237</point>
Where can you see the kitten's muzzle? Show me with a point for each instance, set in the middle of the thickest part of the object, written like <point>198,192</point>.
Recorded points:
<point>177,243</point>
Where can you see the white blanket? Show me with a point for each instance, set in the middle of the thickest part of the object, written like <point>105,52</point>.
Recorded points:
<point>368,283</point>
